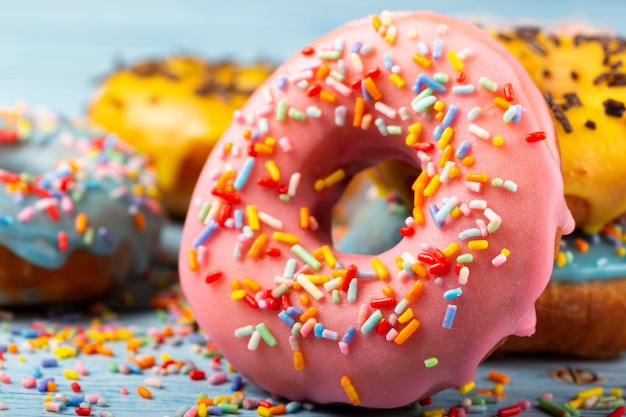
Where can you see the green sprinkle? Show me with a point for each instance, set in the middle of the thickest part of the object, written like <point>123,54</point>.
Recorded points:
<point>284,197</point>
<point>306,257</point>
<point>488,83</point>
<point>335,296</point>
<point>296,114</point>
<point>266,335</point>
<point>204,211</point>
<point>88,237</point>
<point>552,408</point>
<point>441,77</point>
<point>510,185</point>
<point>338,76</point>
<point>295,329</point>
<point>423,104</point>
<point>492,227</point>
<point>371,322</point>
<point>497,182</point>
<point>574,412</point>
<point>465,258</point>
<point>113,368</point>
<point>303,84</point>
<point>431,362</point>
<point>229,408</point>
<point>328,55</point>
<point>394,130</point>
<point>281,110</point>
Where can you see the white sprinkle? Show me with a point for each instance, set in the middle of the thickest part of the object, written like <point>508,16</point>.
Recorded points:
<point>478,131</point>
<point>385,109</point>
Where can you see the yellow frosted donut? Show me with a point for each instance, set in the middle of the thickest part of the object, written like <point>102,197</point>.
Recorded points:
<point>174,110</point>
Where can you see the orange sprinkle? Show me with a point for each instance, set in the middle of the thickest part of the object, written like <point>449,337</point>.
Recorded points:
<point>304,299</point>
<point>353,396</point>
<point>388,291</point>
<point>223,179</point>
<point>140,221</point>
<point>263,148</point>
<point>501,102</point>
<point>309,313</point>
<point>416,290</point>
<point>421,60</point>
<point>328,97</point>
<point>144,392</point>
<point>581,244</point>
<point>482,178</point>
<point>192,259</point>
<point>359,107</point>
<point>498,377</point>
<point>204,400</point>
<point>419,269</point>
<point>258,246</point>
<point>407,331</point>
<point>468,161</point>
<point>304,217</point>
<point>12,348</point>
<point>446,155</point>
<point>371,88</point>
<point>322,72</point>
<point>51,386</point>
<point>298,361</point>
<point>279,409</point>
<point>80,224</point>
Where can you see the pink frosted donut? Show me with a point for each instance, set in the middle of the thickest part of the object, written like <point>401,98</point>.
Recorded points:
<point>304,321</point>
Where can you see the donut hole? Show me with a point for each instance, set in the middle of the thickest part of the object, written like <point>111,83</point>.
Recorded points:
<point>368,215</point>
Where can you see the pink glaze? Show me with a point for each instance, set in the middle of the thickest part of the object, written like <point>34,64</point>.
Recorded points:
<point>496,301</point>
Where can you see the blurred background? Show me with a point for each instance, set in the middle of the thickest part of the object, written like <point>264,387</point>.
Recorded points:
<point>53,52</point>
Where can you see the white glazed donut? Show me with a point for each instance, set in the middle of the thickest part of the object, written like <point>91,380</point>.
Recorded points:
<point>306,322</point>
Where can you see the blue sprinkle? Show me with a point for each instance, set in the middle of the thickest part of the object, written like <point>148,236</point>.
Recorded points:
<point>406,265</point>
<point>518,113</point>
<point>356,47</point>
<point>282,82</point>
<point>36,372</point>
<point>347,337</point>
<point>214,410</point>
<point>237,383</point>
<point>75,400</point>
<point>42,386</point>
<point>238,216</point>
<point>433,209</point>
<point>318,330</point>
<point>293,311</point>
<point>106,237</point>
<point>293,407</point>
<point>49,363</point>
<point>462,150</point>
<point>27,333</point>
<point>437,131</point>
<point>286,318</point>
<point>205,233</point>
<point>366,94</point>
<point>448,318</point>
<point>366,274</point>
<point>453,293</point>
<point>448,118</point>
<point>387,61</point>
<point>437,49</point>
<point>244,173</point>
<point>431,82</point>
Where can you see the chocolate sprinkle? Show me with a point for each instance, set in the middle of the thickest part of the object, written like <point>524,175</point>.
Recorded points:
<point>613,107</point>
<point>590,124</point>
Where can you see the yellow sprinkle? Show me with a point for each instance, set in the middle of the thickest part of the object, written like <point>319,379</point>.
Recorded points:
<point>371,88</point>
<point>391,34</point>
<point>616,392</point>
<point>270,141</point>
<point>47,398</point>
<point>465,388</point>
<point>419,269</point>
<point>258,246</point>
<point>433,412</point>
<point>446,135</point>
<point>439,105</point>
<point>415,129</point>
<point>334,178</point>
<point>319,185</point>
<point>421,60</point>
<point>253,217</point>
<point>272,169</point>
<point>498,388</point>
<point>446,155</point>
<point>298,361</point>
<point>304,299</point>
<point>284,237</point>
<point>318,279</point>
<point>591,392</point>
<point>328,97</point>
<point>432,186</point>
<point>498,140</point>
<point>263,411</point>
<point>251,284</point>
<point>406,316</point>
<point>192,259</point>
<point>70,374</point>
<point>454,172</point>
<point>397,80</point>
<point>479,244</point>
<point>328,256</point>
<point>454,59</point>
<point>237,294</point>
<point>576,403</point>
<point>380,269</point>
<point>501,102</point>
<point>235,285</point>
<point>202,410</point>
<point>376,23</point>
<point>505,251</point>
<point>353,396</point>
<point>455,213</point>
<point>407,331</point>
<point>620,251</point>
<point>451,249</point>
<point>410,139</point>
<point>561,259</point>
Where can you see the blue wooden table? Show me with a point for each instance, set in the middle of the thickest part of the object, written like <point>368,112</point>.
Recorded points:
<point>53,53</point>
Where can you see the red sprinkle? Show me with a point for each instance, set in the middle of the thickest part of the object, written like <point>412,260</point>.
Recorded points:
<point>250,301</point>
<point>452,412</point>
<point>510,411</point>
<point>307,50</point>
<point>535,136</point>
<point>407,231</point>
<point>618,412</point>
<point>213,276</point>
<point>383,302</point>
<point>350,275</point>
<point>508,92</point>
<point>273,251</point>
<point>373,73</point>
<point>265,403</point>
<point>383,327</point>
<point>355,85</point>
<point>426,401</point>
<point>460,76</point>
<point>313,90</point>
<point>231,197</point>
<point>197,375</point>
<point>83,411</point>
<point>424,146</point>
<point>76,387</point>
<point>267,182</point>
